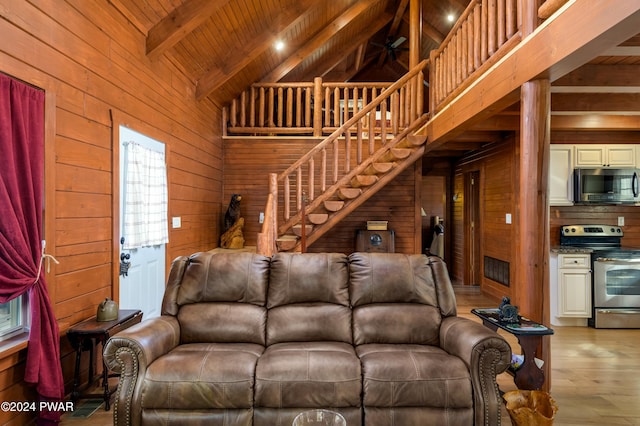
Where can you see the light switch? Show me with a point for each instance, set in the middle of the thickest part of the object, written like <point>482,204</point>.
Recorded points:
<point>176,222</point>
<point>508,218</point>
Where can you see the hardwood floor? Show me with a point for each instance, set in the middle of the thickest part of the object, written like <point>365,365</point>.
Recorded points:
<point>594,379</point>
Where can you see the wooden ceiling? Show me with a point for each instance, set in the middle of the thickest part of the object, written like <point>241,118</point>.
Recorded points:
<point>224,46</point>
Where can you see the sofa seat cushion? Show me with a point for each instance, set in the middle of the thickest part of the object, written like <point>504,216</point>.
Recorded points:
<point>202,376</point>
<point>412,376</point>
<point>308,374</point>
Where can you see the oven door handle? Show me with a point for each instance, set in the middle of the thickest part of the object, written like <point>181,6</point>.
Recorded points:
<point>619,311</point>
<point>617,261</point>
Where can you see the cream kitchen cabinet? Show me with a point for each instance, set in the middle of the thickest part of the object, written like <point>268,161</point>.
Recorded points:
<point>617,155</point>
<point>574,285</point>
<point>561,175</point>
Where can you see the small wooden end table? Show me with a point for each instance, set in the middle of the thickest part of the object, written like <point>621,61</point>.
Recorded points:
<point>529,333</point>
<point>86,335</point>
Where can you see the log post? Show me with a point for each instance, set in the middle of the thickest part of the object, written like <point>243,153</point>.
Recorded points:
<point>531,283</point>
<point>415,29</point>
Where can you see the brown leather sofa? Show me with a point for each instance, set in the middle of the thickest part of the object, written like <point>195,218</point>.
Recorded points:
<point>249,340</point>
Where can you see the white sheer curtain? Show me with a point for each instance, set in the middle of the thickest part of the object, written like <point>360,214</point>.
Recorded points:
<point>145,198</point>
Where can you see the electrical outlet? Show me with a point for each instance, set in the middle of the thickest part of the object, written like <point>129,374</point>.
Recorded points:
<point>176,222</point>
<point>261,219</point>
<point>620,220</point>
<point>508,218</point>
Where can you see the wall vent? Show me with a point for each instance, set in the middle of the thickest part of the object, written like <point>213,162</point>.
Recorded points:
<point>496,270</point>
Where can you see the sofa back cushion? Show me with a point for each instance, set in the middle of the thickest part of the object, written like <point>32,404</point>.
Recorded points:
<point>308,298</point>
<point>398,298</point>
<point>220,298</point>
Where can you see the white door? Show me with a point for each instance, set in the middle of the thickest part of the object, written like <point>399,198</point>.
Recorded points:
<point>143,285</point>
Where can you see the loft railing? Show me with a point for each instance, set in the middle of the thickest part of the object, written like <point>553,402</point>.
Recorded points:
<point>304,108</point>
<point>486,31</point>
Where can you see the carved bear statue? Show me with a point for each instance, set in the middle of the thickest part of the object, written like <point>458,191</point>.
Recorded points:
<point>233,212</point>
<point>232,237</point>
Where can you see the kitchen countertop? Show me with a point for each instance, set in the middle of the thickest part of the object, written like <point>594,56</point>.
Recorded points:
<point>571,250</point>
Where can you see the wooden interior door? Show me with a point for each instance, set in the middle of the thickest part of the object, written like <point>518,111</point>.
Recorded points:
<point>472,228</point>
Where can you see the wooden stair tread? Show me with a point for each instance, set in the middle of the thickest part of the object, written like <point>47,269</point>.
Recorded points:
<point>297,229</point>
<point>395,154</point>
<point>378,168</point>
<point>333,205</point>
<point>363,180</point>
<point>412,141</point>
<point>317,218</point>
<point>286,242</point>
<point>348,193</point>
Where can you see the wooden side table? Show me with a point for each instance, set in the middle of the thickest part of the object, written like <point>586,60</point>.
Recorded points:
<point>86,335</point>
<point>529,333</point>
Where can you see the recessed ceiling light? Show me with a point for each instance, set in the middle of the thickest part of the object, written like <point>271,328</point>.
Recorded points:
<point>279,45</point>
<point>450,17</point>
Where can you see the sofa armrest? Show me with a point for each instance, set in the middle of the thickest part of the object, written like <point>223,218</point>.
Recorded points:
<point>129,353</point>
<point>487,354</point>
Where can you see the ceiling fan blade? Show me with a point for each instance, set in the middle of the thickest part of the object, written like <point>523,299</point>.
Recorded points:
<point>398,42</point>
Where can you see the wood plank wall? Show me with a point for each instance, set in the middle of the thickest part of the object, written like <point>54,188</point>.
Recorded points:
<point>248,162</point>
<point>497,166</point>
<point>90,61</point>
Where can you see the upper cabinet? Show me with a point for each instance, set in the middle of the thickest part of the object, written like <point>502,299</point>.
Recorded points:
<point>594,156</point>
<point>561,175</point>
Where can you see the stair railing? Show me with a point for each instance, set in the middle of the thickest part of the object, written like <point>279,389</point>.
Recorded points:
<point>360,136</point>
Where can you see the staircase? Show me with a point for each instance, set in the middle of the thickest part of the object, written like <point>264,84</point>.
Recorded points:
<point>347,168</point>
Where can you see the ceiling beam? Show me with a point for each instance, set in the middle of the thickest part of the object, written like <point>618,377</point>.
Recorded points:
<point>595,122</point>
<point>586,28</point>
<point>354,45</point>
<point>592,78</point>
<point>622,51</point>
<point>360,55</point>
<point>241,56</point>
<point>178,23</point>
<point>328,32</point>
<point>590,103</point>
<point>397,19</point>
<point>429,31</point>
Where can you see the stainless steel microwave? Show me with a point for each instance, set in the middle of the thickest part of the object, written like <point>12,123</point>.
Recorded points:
<point>606,186</point>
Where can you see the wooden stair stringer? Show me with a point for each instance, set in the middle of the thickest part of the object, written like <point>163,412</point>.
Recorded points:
<point>367,193</point>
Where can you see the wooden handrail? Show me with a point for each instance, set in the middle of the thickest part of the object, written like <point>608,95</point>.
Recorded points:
<point>353,120</point>
<point>549,7</point>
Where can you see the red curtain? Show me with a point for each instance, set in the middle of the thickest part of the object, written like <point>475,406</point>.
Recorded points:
<point>21,232</point>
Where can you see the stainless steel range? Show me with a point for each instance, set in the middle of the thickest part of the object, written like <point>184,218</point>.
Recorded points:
<point>616,274</point>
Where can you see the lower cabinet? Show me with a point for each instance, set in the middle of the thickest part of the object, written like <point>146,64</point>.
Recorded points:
<point>574,285</point>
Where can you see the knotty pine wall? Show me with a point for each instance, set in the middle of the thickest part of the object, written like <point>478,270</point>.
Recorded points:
<point>248,162</point>
<point>91,62</point>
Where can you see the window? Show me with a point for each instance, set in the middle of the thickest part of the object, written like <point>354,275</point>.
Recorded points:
<point>13,317</point>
